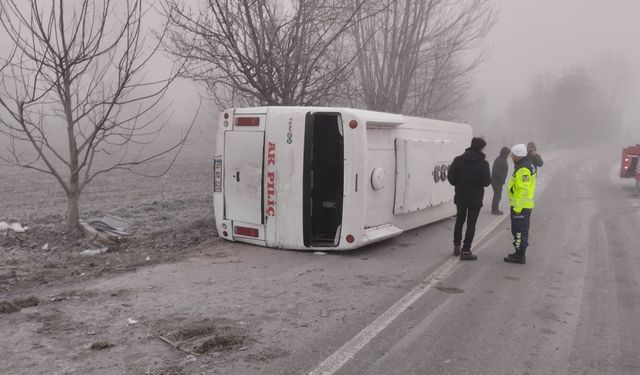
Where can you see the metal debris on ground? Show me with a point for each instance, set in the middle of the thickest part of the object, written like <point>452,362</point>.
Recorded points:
<point>113,226</point>
<point>91,252</point>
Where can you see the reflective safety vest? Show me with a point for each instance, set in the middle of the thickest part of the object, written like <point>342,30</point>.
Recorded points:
<point>522,185</point>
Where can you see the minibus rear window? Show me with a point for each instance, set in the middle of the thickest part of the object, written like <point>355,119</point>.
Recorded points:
<point>323,179</point>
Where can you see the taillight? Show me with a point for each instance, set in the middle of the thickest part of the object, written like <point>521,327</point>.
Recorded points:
<point>350,238</point>
<point>247,232</point>
<point>247,121</point>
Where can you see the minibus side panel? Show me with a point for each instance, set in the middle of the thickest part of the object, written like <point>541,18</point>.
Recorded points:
<point>432,145</point>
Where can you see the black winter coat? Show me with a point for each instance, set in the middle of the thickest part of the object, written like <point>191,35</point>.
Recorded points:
<point>500,169</point>
<point>535,159</point>
<point>470,174</point>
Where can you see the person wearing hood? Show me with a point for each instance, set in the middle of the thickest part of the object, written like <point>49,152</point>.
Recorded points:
<point>470,174</point>
<point>521,189</point>
<point>499,174</point>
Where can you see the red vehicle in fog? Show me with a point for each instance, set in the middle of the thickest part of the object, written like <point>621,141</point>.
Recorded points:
<point>630,166</point>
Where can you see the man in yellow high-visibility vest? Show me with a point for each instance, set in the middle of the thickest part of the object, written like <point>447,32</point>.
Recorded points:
<point>521,189</point>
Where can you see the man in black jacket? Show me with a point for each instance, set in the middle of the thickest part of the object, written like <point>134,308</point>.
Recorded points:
<point>533,156</point>
<point>499,174</point>
<point>470,174</point>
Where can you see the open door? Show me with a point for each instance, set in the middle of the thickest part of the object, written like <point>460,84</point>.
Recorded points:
<point>323,179</point>
<point>243,161</point>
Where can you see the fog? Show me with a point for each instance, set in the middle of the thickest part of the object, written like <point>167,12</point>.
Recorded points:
<point>542,38</point>
<point>530,38</point>
<point>549,37</point>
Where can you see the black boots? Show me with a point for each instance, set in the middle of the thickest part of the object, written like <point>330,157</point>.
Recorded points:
<point>466,255</point>
<point>517,258</point>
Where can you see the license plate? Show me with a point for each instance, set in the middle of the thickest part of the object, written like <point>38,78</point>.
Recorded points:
<point>217,175</point>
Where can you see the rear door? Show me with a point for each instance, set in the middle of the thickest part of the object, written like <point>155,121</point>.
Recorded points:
<point>243,162</point>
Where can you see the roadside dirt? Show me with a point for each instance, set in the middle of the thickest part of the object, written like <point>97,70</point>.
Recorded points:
<point>24,263</point>
<point>172,219</point>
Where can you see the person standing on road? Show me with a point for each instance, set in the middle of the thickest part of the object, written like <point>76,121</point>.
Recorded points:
<point>521,189</point>
<point>498,177</point>
<point>470,174</point>
<point>533,156</point>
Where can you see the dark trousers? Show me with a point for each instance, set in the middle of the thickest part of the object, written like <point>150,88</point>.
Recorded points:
<point>470,215</point>
<point>497,196</point>
<point>520,230</point>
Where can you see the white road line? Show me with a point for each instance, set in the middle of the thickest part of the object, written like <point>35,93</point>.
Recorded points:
<point>353,346</point>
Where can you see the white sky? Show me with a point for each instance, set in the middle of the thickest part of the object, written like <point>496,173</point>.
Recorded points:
<point>530,37</point>
<point>547,36</point>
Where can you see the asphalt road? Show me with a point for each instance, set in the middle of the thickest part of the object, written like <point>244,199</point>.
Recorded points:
<point>403,306</point>
<point>574,308</point>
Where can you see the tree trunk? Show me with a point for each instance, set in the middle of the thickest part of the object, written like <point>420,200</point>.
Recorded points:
<point>73,214</point>
<point>73,204</point>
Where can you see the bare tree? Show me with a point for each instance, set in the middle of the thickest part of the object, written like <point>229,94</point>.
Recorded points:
<point>265,52</point>
<point>412,54</point>
<point>74,90</point>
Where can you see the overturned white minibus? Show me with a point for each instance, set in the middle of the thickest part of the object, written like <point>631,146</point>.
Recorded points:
<point>314,178</point>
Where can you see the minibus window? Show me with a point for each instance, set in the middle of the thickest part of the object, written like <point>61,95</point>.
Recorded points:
<point>323,179</point>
